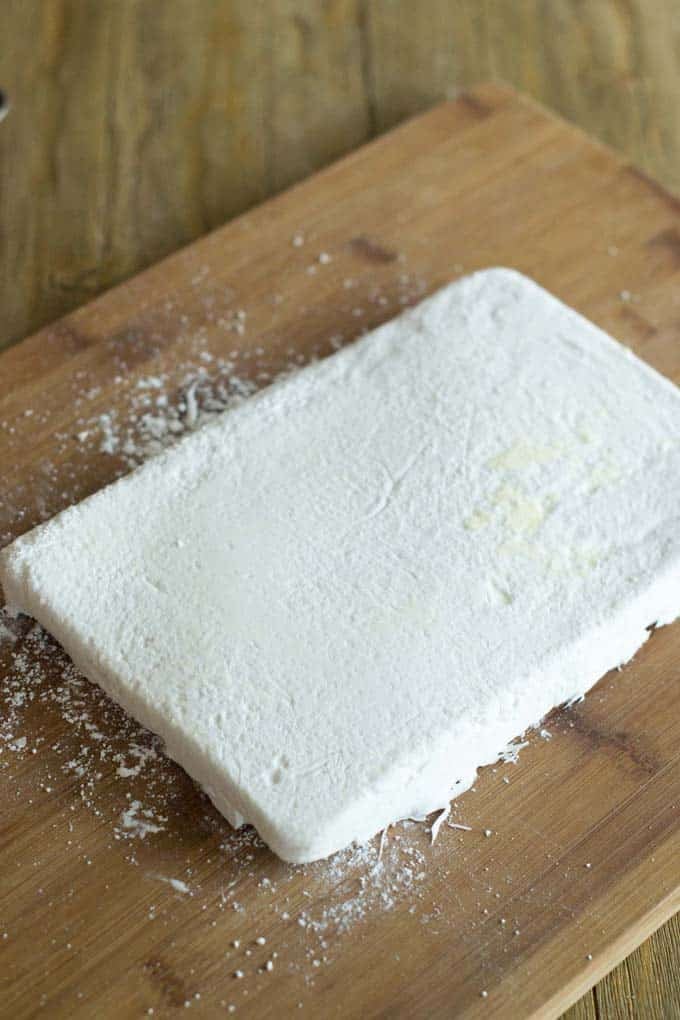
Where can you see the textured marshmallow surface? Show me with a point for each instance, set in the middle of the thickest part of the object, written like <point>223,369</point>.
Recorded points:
<point>339,599</point>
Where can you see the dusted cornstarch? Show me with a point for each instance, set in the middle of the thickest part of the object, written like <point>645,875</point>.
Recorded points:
<point>339,599</point>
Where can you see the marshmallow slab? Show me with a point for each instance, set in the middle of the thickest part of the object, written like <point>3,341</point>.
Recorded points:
<point>338,600</point>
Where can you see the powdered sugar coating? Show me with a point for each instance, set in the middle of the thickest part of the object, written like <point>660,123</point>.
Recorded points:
<point>339,599</point>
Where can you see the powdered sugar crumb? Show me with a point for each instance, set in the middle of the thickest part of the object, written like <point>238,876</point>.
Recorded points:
<point>177,884</point>
<point>438,822</point>
<point>139,821</point>
<point>152,423</point>
<point>140,755</point>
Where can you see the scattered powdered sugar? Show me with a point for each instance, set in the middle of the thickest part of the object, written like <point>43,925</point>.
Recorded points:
<point>89,736</point>
<point>370,881</point>
<point>137,753</point>
<point>139,821</point>
<point>177,884</point>
<point>151,422</point>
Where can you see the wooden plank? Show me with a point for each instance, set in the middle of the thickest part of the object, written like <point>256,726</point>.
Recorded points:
<point>318,109</point>
<point>422,54</point>
<point>609,67</point>
<point>489,179</point>
<point>134,134</point>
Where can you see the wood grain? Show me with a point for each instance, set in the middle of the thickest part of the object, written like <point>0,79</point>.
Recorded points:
<point>489,179</point>
<point>136,127</point>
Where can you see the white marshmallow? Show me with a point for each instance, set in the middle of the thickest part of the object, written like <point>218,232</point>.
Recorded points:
<point>338,600</point>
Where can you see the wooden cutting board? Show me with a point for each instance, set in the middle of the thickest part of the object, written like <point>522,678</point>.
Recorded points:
<point>122,892</point>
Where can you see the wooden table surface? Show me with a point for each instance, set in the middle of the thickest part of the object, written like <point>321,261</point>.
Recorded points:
<point>137,126</point>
